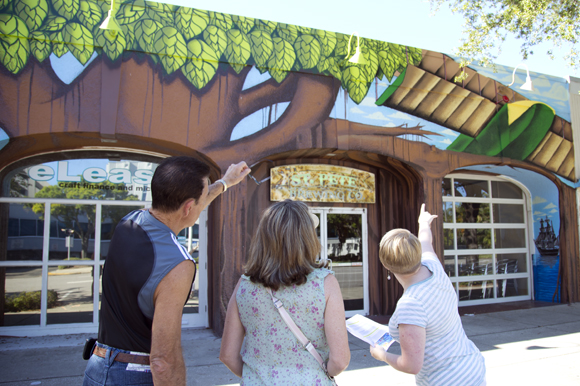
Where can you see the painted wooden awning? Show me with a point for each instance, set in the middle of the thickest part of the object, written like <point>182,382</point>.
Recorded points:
<point>428,91</point>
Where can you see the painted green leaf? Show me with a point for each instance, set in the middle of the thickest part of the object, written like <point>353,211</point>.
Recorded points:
<point>282,59</point>
<point>296,67</point>
<point>105,5</point>
<point>327,41</point>
<point>516,141</point>
<point>66,8</point>
<point>113,44</point>
<point>129,35</point>
<point>160,12</point>
<point>373,44</point>
<point>59,47</point>
<point>201,64</point>
<point>170,45</point>
<point>90,14</point>
<point>304,30</point>
<point>245,24</point>
<point>307,49</point>
<point>221,20</point>
<point>238,50</point>
<point>53,24</point>
<point>264,25</point>
<point>14,45</point>
<point>387,64</point>
<point>145,30</point>
<point>216,38</point>
<point>380,74</point>
<point>79,41</point>
<point>372,64</point>
<point>287,32</point>
<point>415,55</point>
<point>341,48</point>
<point>131,12</point>
<point>4,3</point>
<point>191,22</point>
<point>334,68</point>
<point>354,81</point>
<point>40,45</point>
<point>324,64</point>
<point>262,70</point>
<point>33,12</point>
<point>261,46</point>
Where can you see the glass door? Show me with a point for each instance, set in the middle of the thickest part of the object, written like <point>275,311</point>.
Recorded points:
<point>343,236</point>
<point>195,240</point>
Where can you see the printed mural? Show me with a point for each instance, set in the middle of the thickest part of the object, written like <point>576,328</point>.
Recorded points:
<point>176,80</point>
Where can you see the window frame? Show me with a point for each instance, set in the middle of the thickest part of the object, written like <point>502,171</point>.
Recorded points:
<point>455,253</point>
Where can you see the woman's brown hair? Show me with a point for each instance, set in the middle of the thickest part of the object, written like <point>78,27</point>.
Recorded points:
<point>285,247</point>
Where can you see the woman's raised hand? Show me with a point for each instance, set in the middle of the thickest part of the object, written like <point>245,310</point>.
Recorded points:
<point>426,217</point>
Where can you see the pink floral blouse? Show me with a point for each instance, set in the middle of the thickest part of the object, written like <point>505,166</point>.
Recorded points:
<point>271,353</point>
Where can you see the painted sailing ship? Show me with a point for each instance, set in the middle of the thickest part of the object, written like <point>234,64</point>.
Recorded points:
<point>547,242</point>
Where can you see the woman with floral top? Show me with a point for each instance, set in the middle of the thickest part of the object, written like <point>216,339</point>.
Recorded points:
<point>283,257</point>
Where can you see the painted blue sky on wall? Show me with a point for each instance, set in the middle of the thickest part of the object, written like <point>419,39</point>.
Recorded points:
<point>544,193</point>
<point>551,90</point>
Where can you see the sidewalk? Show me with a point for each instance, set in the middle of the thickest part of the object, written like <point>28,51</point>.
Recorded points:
<point>537,346</point>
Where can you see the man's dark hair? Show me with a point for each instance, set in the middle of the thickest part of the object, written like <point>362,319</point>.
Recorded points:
<point>176,180</point>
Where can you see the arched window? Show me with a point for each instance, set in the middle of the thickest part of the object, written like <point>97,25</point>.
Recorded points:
<point>486,238</point>
<point>56,223</point>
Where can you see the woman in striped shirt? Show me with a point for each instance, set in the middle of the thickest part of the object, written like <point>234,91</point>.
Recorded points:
<point>426,322</point>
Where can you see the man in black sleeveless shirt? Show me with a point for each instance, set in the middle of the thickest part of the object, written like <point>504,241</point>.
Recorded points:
<point>147,278</point>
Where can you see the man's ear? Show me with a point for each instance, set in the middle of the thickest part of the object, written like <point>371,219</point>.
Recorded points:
<point>187,206</point>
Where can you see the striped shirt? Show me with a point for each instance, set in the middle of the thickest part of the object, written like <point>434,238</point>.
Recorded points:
<point>450,357</point>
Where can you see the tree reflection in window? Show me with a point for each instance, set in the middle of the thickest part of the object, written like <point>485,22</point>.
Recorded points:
<point>81,218</point>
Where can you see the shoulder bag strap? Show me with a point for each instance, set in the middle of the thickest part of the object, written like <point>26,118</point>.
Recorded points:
<point>298,333</point>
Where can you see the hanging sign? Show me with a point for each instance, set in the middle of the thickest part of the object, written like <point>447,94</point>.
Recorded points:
<point>322,183</point>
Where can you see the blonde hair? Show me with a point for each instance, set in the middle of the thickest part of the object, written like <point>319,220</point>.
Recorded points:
<point>285,247</point>
<point>400,251</point>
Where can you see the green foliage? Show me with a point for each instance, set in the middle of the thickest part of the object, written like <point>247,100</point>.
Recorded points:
<point>90,14</point>
<point>59,46</point>
<point>66,8</point>
<point>282,60</point>
<point>32,12</point>
<point>487,23</point>
<point>53,24</point>
<point>170,45</point>
<point>14,50</point>
<point>79,41</point>
<point>244,23</point>
<point>112,44</point>
<point>221,20</point>
<point>238,49</point>
<point>29,301</point>
<point>145,33</point>
<point>261,46</point>
<point>201,64</point>
<point>193,41</point>
<point>131,12</point>
<point>191,22</point>
<point>216,39</point>
<point>40,45</point>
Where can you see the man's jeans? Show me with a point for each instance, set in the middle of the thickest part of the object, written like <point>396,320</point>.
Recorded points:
<point>107,371</point>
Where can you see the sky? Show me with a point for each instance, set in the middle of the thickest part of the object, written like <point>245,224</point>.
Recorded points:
<point>408,22</point>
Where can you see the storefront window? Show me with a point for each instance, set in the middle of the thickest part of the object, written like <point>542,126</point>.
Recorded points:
<point>22,296</point>
<point>57,223</point>
<point>486,240</point>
